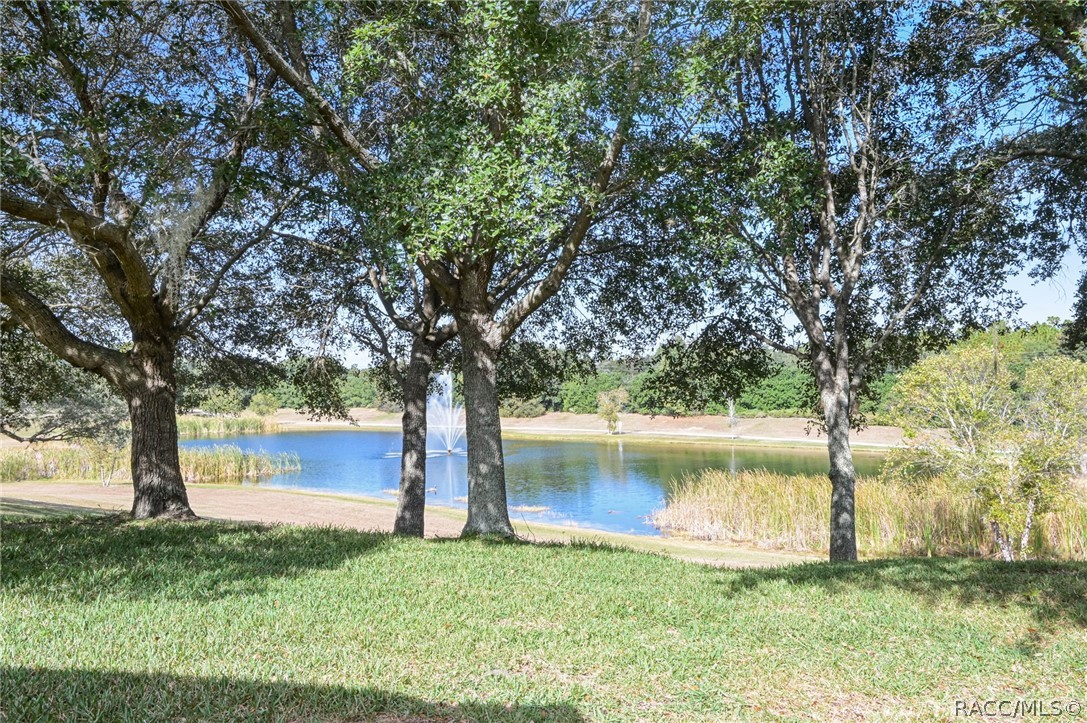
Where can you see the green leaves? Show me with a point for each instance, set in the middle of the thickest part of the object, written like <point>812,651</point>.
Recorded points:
<point>1013,440</point>
<point>492,119</point>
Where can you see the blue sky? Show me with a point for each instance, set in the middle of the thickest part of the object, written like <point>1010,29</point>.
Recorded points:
<point>1051,297</point>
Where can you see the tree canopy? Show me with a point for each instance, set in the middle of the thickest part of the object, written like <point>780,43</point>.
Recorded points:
<point>138,185</point>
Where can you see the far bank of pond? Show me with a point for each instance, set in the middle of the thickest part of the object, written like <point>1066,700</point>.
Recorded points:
<point>606,485</point>
<point>636,428</point>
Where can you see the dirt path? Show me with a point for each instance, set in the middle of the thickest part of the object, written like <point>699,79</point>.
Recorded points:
<point>256,504</point>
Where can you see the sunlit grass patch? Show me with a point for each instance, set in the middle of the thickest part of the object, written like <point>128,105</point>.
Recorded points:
<point>109,620</point>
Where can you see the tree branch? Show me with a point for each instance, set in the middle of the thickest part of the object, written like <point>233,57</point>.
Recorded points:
<point>551,283</point>
<point>36,316</point>
<point>300,83</point>
<point>213,288</point>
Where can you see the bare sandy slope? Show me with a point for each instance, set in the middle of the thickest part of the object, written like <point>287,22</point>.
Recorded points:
<point>255,504</point>
<point>635,426</point>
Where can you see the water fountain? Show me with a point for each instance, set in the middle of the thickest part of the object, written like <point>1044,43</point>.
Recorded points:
<point>445,419</point>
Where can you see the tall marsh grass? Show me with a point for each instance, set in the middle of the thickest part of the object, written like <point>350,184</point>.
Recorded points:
<point>193,426</point>
<point>226,462</point>
<point>792,512</point>
<point>222,463</point>
<point>46,463</point>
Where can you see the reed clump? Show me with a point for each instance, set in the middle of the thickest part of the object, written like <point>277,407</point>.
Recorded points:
<point>790,512</point>
<point>222,463</point>
<point>193,426</point>
<point>229,463</point>
<point>51,462</point>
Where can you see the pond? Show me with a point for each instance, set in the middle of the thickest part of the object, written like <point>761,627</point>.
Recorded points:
<point>604,486</point>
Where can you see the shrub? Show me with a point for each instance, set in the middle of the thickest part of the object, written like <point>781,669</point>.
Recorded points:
<point>516,407</point>
<point>1012,442</point>
<point>789,388</point>
<point>263,404</point>
<point>360,390</point>
<point>287,395</point>
<point>223,402</point>
<point>579,395</point>
<point>609,404</point>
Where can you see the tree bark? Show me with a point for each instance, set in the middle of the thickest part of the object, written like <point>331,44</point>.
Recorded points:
<point>1028,523</point>
<point>411,502</point>
<point>158,488</point>
<point>487,510</point>
<point>1006,551</point>
<point>843,476</point>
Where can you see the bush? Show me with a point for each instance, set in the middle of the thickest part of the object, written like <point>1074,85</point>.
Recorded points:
<point>1011,441</point>
<point>287,396</point>
<point>789,388</point>
<point>521,408</point>
<point>360,390</point>
<point>609,404</point>
<point>579,394</point>
<point>263,404</point>
<point>223,402</point>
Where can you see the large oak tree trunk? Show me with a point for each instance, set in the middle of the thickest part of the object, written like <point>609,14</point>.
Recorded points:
<point>411,502</point>
<point>487,510</point>
<point>158,488</point>
<point>843,476</point>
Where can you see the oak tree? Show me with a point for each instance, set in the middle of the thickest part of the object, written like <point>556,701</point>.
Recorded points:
<point>130,175</point>
<point>851,229</point>
<point>487,139</point>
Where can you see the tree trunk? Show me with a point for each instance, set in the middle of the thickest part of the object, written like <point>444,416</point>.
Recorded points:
<point>411,502</point>
<point>843,476</point>
<point>1002,541</point>
<point>1028,523</point>
<point>487,510</point>
<point>158,488</point>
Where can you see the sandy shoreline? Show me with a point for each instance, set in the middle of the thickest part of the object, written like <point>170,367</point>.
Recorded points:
<point>763,431</point>
<point>280,506</point>
<point>781,432</point>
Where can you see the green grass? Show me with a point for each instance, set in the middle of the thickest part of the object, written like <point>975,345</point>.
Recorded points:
<point>789,512</point>
<point>107,620</point>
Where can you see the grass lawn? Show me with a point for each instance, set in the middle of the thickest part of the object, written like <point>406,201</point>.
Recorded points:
<point>108,620</point>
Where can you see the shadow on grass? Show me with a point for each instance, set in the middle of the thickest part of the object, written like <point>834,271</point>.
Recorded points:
<point>17,508</point>
<point>43,694</point>
<point>572,543</point>
<point>1051,591</point>
<point>82,558</point>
